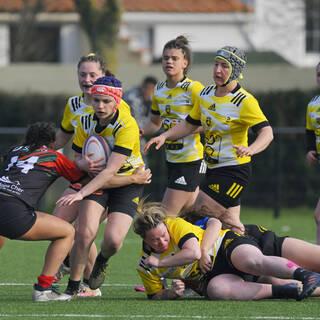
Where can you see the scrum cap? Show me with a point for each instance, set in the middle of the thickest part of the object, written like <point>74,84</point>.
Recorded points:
<point>108,86</point>
<point>236,59</point>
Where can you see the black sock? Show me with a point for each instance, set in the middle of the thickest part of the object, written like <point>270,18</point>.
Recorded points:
<point>285,292</point>
<point>300,274</point>
<point>73,286</point>
<point>66,261</point>
<point>101,259</point>
<point>86,281</point>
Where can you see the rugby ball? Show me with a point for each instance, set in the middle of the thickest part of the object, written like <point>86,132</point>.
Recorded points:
<point>99,147</point>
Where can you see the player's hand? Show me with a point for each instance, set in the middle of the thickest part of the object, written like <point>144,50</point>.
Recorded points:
<point>142,175</point>
<point>230,222</point>
<point>311,157</point>
<point>158,141</point>
<point>178,287</point>
<point>151,261</point>
<point>205,263</point>
<point>91,166</point>
<point>69,199</point>
<point>242,151</point>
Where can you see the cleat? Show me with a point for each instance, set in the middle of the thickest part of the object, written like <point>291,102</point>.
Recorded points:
<point>98,275</point>
<point>63,270</point>
<point>85,291</point>
<point>140,289</point>
<point>310,282</point>
<point>41,294</point>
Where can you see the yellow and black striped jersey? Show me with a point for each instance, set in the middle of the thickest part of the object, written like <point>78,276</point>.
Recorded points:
<point>122,135</point>
<point>180,231</point>
<point>313,120</point>
<point>173,105</point>
<point>225,122</point>
<point>74,108</point>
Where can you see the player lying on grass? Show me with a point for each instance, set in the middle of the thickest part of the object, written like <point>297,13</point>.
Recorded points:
<point>301,252</point>
<point>171,249</point>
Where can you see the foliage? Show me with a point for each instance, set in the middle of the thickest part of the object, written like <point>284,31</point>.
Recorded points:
<point>101,21</point>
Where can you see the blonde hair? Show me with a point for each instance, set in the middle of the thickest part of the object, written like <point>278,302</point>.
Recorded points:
<point>149,216</point>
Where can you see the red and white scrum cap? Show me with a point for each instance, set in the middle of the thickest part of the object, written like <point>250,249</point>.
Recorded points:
<point>108,86</point>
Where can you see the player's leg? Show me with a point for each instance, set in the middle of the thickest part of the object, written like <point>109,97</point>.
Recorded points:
<point>249,259</point>
<point>183,186</point>
<point>230,217</point>
<point>177,200</point>
<point>305,254</point>
<point>233,287</point>
<point>317,219</point>
<point>67,213</point>
<point>117,227</point>
<point>90,212</point>
<point>61,234</point>
<point>2,241</point>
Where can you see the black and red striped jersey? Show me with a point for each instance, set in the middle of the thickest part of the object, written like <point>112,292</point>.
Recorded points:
<point>27,175</point>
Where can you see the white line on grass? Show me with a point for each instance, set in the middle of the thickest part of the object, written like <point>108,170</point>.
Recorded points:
<point>64,284</point>
<point>130,316</point>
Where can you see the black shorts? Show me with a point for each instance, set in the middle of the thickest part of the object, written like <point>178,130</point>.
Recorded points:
<point>186,176</point>
<point>269,243</point>
<point>222,263</point>
<point>226,184</point>
<point>123,199</point>
<point>16,217</point>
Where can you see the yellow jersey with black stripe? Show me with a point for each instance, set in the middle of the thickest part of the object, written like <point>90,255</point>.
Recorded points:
<point>225,122</point>
<point>180,231</point>
<point>173,105</point>
<point>74,108</point>
<point>122,135</point>
<point>313,120</point>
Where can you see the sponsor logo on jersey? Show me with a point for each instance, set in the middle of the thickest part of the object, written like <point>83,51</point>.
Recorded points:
<point>208,121</point>
<point>212,107</point>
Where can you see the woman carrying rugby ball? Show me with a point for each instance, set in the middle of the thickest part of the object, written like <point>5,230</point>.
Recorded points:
<point>114,122</point>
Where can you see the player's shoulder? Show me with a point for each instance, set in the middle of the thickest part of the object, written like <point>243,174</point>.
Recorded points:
<point>315,100</point>
<point>160,85</point>
<point>74,102</point>
<point>242,96</point>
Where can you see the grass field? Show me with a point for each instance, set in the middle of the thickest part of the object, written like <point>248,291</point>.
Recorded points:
<point>21,263</point>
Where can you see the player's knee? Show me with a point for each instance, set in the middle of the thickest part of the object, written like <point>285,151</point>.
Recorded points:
<point>112,244</point>
<point>218,290</point>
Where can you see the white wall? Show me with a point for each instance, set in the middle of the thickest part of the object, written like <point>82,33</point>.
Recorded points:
<point>279,26</point>
<point>4,45</point>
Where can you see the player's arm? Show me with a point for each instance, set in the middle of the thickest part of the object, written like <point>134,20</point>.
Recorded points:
<point>264,137</point>
<point>152,126</point>
<point>175,292</point>
<point>210,236</point>
<point>190,251</point>
<point>182,129</point>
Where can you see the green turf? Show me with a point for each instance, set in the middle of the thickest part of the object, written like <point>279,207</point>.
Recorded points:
<point>21,263</point>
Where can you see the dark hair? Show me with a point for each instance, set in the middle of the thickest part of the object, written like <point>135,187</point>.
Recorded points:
<point>39,134</point>
<point>149,79</point>
<point>181,43</point>
<point>93,57</point>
